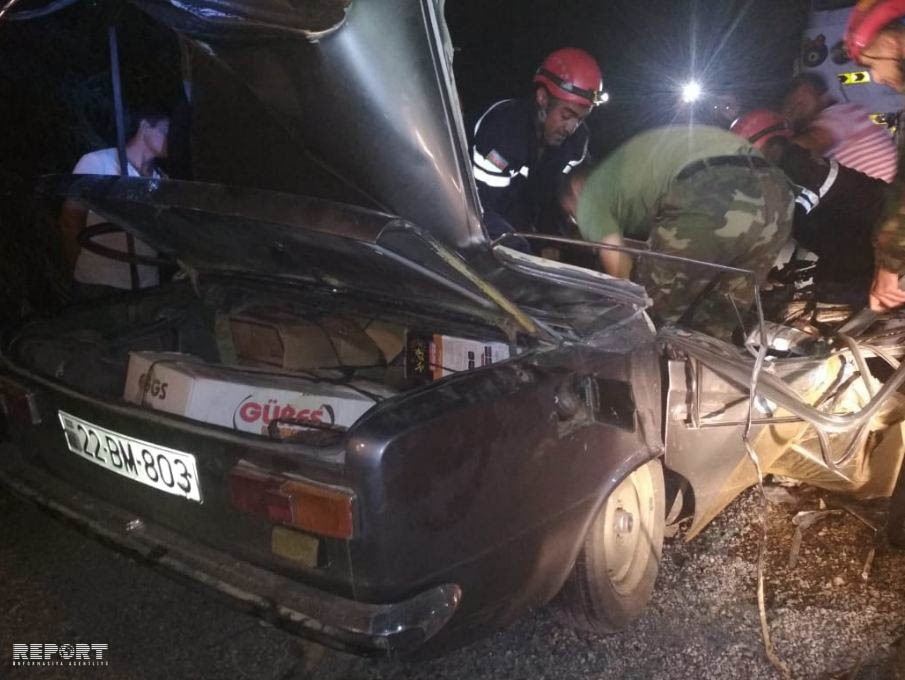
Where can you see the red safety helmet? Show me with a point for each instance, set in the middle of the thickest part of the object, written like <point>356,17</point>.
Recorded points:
<point>572,75</point>
<point>867,19</point>
<point>760,126</point>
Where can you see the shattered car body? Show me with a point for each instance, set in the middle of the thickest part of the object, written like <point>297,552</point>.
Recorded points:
<point>822,417</point>
<point>332,181</point>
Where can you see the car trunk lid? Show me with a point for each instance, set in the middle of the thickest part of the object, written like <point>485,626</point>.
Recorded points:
<point>298,240</point>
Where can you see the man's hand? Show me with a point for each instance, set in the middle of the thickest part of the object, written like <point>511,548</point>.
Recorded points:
<point>884,291</point>
<point>616,263</point>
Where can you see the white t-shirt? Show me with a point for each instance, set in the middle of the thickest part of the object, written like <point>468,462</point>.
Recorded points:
<point>97,269</point>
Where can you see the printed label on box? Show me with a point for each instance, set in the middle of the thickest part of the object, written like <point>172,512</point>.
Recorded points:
<point>431,357</point>
<point>214,395</point>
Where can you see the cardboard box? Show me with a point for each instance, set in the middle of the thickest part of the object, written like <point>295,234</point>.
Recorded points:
<point>287,341</point>
<point>389,337</point>
<point>432,356</point>
<point>240,400</point>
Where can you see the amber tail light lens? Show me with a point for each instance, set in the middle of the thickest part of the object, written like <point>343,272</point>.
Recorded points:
<point>317,508</point>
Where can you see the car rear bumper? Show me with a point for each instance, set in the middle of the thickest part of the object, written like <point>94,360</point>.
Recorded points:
<point>335,621</point>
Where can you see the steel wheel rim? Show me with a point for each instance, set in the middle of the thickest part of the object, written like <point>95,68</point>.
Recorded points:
<point>627,527</point>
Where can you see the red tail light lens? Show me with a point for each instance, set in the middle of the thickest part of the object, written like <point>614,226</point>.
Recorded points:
<point>318,508</point>
<point>259,494</point>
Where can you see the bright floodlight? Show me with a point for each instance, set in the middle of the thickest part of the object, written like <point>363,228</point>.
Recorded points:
<point>691,92</point>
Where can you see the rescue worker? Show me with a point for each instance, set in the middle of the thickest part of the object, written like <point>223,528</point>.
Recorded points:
<point>698,192</point>
<point>836,207</point>
<point>875,38</point>
<point>523,148</point>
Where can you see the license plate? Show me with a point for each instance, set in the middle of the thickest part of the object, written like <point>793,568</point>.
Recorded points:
<point>157,466</point>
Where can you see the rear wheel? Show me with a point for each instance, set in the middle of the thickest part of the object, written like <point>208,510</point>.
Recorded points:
<point>613,577</point>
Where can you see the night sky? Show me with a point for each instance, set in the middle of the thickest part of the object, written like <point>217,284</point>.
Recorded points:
<point>54,86</point>
<point>646,49</point>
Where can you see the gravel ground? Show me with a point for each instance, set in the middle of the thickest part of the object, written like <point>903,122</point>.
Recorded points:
<point>703,623</point>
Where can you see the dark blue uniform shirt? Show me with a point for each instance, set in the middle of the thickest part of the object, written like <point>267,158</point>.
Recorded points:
<point>517,177</point>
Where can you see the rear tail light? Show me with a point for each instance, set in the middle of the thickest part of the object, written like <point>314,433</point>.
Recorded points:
<point>317,508</point>
<point>18,404</point>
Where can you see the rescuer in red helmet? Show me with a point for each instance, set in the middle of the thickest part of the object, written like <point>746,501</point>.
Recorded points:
<point>836,207</point>
<point>760,126</point>
<point>523,149</point>
<point>875,38</point>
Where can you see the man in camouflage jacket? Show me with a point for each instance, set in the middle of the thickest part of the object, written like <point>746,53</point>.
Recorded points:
<point>698,192</point>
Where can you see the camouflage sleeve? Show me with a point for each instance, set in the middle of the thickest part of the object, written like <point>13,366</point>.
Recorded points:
<point>889,235</point>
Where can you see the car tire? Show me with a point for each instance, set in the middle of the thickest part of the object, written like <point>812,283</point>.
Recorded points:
<point>614,574</point>
<point>895,524</point>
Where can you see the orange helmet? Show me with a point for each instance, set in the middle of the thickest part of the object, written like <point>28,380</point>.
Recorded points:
<point>760,126</point>
<point>867,19</point>
<point>572,75</point>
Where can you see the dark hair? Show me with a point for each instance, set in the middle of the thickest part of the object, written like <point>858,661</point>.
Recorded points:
<point>134,118</point>
<point>572,182</point>
<point>810,79</point>
<point>775,150</point>
<point>894,26</point>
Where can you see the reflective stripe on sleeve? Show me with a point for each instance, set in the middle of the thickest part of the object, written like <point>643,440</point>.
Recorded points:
<point>830,179</point>
<point>570,165</point>
<point>807,199</point>
<point>490,180</point>
<point>484,115</point>
<point>804,203</point>
<point>483,163</point>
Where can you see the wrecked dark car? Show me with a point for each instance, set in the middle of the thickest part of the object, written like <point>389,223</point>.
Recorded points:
<point>355,415</point>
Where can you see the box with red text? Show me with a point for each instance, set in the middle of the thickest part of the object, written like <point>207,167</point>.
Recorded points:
<point>242,400</point>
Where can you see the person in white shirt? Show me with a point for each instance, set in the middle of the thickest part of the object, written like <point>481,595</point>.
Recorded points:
<point>95,274</point>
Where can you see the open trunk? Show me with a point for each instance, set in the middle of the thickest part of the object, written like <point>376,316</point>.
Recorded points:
<point>248,354</point>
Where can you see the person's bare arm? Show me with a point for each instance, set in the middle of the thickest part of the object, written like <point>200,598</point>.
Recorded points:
<point>815,138</point>
<point>72,221</point>
<point>615,263</point>
<point>885,293</point>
